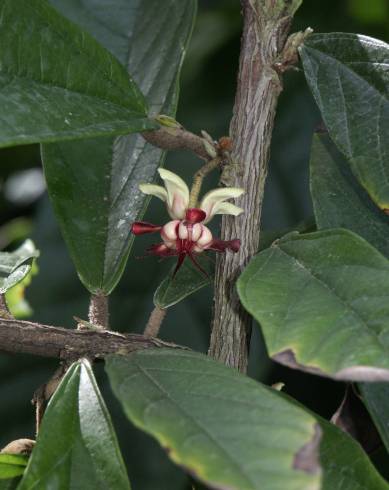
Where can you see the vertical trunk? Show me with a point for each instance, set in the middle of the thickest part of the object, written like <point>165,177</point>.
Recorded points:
<point>266,26</point>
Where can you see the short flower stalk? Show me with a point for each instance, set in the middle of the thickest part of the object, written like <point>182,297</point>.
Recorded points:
<point>187,235</point>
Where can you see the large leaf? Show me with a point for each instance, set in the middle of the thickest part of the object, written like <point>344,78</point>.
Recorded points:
<point>221,425</point>
<point>76,446</point>
<point>322,302</point>
<point>93,184</point>
<point>349,78</point>
<point>12,465</point>
<point>57,82</point>
<point>224,428</point>
<point>16,265</point>
<point>338,199</point>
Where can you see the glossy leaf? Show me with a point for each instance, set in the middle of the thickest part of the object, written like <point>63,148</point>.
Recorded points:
<point>16,265</point>
<point>57,82</point>
<point>76,446</point>
<point>338,199</point>
<point>224,428</point>
<point>12,465</point>
<point>187,281</point>
<point>93,184</point>
<point>349,78</point>
<point>322,302</point>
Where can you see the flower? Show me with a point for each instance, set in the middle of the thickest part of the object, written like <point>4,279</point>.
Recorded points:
<point>187,235</point>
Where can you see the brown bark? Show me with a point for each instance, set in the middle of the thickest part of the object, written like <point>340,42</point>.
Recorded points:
<point>43,340</point>
<point>98,310</point>
<point>266,25</point>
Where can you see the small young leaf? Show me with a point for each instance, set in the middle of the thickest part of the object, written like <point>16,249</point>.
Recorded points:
<point>76,446</point>
<point>94,184</point>
<point>349,78</point>
<point>322,300</point>
<point>224,428</point>
<point>57,82</point>
<point>187,281</point>
<point>15,266</point>
<point>12,465</point>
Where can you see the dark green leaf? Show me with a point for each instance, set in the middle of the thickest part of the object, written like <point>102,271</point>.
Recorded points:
<point>93,184</point>
<point>12,465</point>
<point>349,78</point>
<point>57,82</point>
<point>76,446</point>
<point>376,398</point>
<point>224,428</point>
<point>15,266</point>
<point>187,281</point>
<point>338,199</point>
<point>322,300</point>
<point>9,484</point>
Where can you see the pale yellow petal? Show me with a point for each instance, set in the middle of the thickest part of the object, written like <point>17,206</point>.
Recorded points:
<point>214,202</point>
<point>177,193</point>
<point>154,190</point>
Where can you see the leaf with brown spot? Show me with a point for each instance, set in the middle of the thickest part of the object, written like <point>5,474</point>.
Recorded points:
<point>322,300</point>
<point>225,429</point>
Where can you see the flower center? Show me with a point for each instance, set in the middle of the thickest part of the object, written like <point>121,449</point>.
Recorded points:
<point>186,237</point>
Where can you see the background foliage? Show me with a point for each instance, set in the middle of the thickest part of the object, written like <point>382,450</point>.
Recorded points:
<point>207,91</point>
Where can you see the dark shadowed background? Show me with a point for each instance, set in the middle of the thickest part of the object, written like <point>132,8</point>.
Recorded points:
<point>207,94</point>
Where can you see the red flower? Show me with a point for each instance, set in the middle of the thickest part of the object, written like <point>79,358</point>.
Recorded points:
<point>187,235</point>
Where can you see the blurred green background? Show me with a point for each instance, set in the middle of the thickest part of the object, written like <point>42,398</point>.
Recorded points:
<point>56,295</point>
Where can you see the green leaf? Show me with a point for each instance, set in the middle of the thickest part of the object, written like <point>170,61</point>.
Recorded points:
<point>12,465</point>
<point>348,76</point>
<point>322,302</point>
<point>338,199</point>
<point>76,446</point>
<point>345,465</point>
<point>376,398</point>
<point>187,281</point>
<point>224,428</point>
<point>93,184</point>
<point>9,484</point>
<point>15,266</point>
<point>57,82</point>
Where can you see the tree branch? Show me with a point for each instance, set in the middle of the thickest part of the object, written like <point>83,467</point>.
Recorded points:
<point>98,310</point>
<point>154,322</point>
<point>43,340</point>
<point>262,60</point>
<point>168,138</point>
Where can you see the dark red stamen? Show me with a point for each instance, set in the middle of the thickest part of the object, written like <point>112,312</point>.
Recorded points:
<point>141,227</point>
<point>161,250</point>
<point>222,245</point>
<point>195,215</point>
<point>197,265</point>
